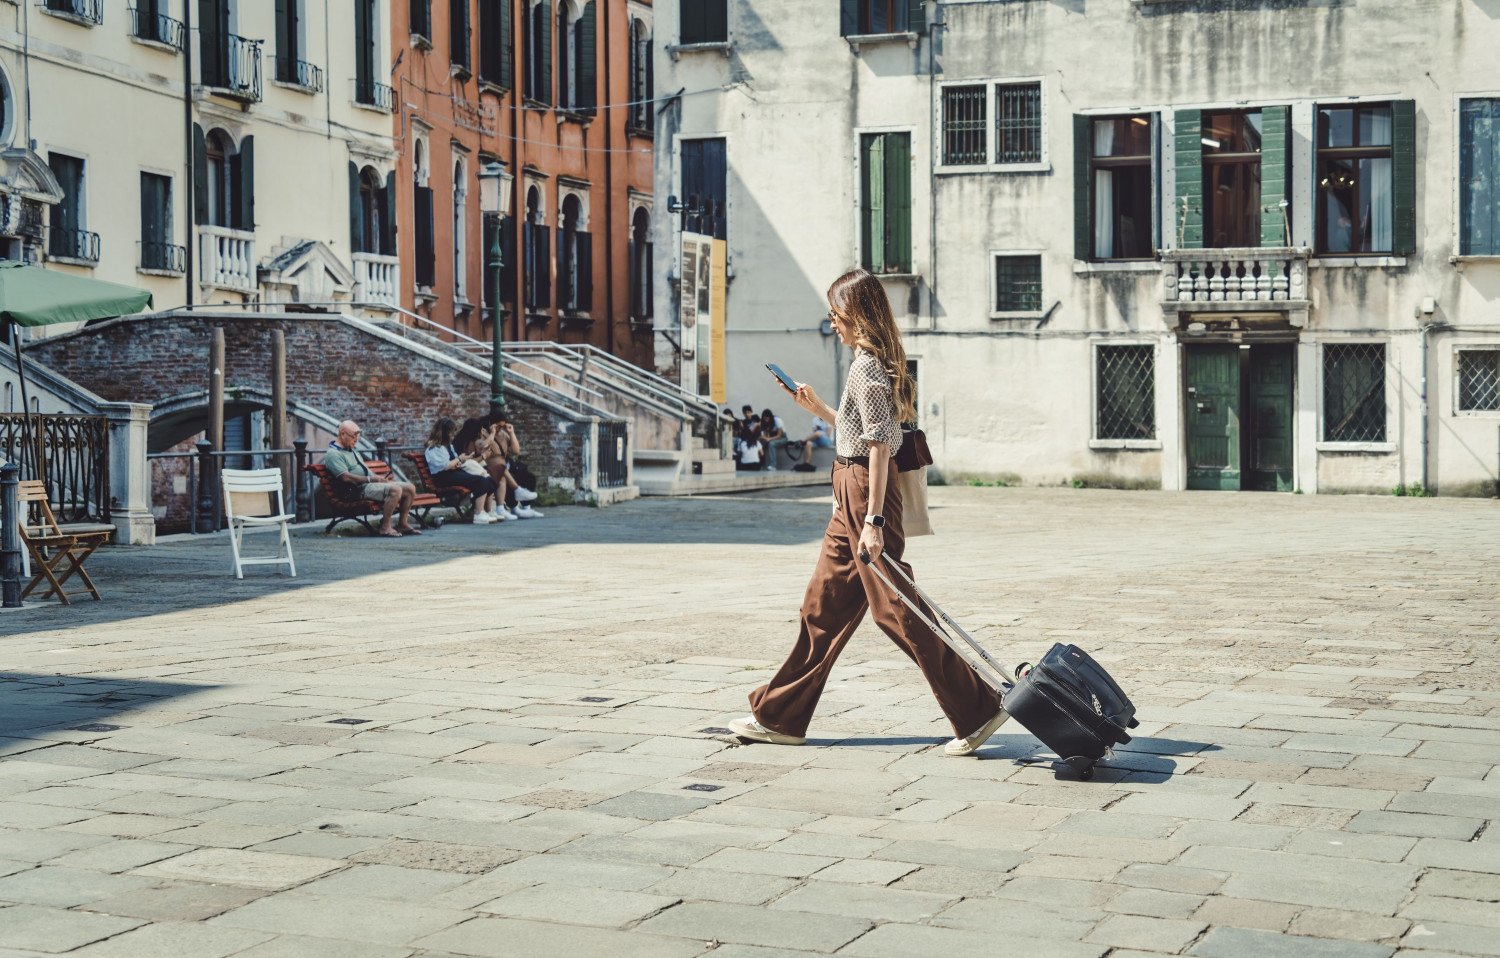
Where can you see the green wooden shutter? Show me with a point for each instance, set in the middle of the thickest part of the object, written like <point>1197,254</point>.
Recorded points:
<point>1083,220</point>
<point>388,216</point>
<point>585,254</point>
<point>426,258</point>
<point>588,52</point>
<point>1189,142</point>
<point>848,18</point>
<point>364,73</point>
<point>1404,177</point>
<point>543,266</point>
<point>357,237</point>
<point>898,202</point>
<point>544,40</point>
<point>690,22</point>
<point>200,176</point>
<point>505,13</point>
<point>872,202</point>
<point>564,290</point>
<point>245,185</point>
<point>1276,125</point>
<point>916,16</point>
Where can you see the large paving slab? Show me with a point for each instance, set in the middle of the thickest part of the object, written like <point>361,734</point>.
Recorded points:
<point>510,741</point>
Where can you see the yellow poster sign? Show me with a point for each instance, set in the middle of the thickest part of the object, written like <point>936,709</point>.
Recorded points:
<point>718,291</point>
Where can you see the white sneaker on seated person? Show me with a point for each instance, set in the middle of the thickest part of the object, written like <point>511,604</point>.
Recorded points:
<point>524,495</point>
<point>482,518</point>
<point>523,511</point>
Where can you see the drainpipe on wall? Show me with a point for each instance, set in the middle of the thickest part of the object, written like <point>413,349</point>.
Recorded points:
<point>26,66</point>
<point>187,149</point>
<point>1427,327</point>
<point>609,183</point>
<point>932,148</point>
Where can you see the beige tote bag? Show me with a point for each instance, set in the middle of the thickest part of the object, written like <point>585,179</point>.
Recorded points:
<point>914,520</point>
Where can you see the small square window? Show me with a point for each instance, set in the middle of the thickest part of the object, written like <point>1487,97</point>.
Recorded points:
<point>1479,380</point>
<point>1018,284</point>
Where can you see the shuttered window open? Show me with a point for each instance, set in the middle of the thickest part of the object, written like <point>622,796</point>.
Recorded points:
<point>885,202</point>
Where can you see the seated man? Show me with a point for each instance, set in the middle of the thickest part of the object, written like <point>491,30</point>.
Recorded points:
<point>821,438</point>
<point>346,465</point>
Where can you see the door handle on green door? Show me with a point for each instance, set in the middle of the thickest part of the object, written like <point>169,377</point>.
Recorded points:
<point>1205,407</point>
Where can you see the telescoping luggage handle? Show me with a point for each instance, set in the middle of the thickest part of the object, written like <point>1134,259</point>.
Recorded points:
<point>990,670</point>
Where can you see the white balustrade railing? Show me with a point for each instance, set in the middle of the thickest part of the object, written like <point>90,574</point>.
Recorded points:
<point>226,258</point>
<point>378,278</point>
<point>1249,275</point>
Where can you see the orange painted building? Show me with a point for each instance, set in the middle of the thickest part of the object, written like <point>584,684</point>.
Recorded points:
<point>556,91</point>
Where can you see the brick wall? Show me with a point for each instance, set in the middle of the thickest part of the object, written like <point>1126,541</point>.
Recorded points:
<point>393,391</point>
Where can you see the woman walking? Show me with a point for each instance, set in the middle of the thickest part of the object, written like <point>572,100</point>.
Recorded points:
<point>878,396</point>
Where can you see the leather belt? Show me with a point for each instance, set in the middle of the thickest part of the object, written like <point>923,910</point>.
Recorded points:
<point>852,460</point>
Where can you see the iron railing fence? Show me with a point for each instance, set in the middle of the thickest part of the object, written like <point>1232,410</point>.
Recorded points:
<point>73,244</point>
<point>69,453</point>
<point>308,76</point>
<point>90,11</point>
<point>166,257</point>
<point>613,458</point>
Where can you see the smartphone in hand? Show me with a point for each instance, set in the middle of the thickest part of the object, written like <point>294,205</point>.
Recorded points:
<point>786,381</point>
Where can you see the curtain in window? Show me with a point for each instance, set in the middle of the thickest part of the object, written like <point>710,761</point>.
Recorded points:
<point>1104,193</point>
<point>1377,173</point>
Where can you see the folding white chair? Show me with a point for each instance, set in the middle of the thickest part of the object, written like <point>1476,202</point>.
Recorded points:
<point>252,499</point>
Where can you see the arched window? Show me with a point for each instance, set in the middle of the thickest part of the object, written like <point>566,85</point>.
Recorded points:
<point>369,213</point>
<point>220,179</point>
<point>575,260</point>
<point>537,254</point>
<point>641,77</point>
<point>460,230</point>
<point>641,291</point>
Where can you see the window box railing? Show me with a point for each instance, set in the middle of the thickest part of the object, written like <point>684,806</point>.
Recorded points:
<point>240,74</point>
<point>378,278</point>
<point>163,257</point>
<point>226,258</point>
<point>79,245</point>
<point>299,73</point>
<point>88,12</point>
<point>1267,278</point>
<point>156,28</point>
<point>378,96</point>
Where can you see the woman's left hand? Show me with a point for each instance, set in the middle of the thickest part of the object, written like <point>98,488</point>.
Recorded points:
<point>871,543</point>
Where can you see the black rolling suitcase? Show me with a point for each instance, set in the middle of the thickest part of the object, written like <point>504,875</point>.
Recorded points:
<point>1067,700</point>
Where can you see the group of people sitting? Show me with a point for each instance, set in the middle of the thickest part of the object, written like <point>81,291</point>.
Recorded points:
<point>757,439</point>
<point>480,457</point>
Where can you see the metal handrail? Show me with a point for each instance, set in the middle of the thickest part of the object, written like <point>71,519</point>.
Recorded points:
<point>659,384</point>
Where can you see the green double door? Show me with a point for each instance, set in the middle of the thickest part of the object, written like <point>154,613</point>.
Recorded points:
<point>1238,407</point>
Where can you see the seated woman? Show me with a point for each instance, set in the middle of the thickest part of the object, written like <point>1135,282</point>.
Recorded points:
<point>772,437</point>
<point>498,445</point>
<point>453,469</point>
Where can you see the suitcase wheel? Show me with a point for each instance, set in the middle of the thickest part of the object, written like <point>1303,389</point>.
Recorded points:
<point>1083,766</point>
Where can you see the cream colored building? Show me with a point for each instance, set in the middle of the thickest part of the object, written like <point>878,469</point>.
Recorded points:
<point>211,151</point>
<point>1188,244</point>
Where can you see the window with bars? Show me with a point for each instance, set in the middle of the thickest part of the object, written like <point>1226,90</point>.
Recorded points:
<point>1479,380</point>
<point>965,125</point>
<point>1125,392</point>
<point>1018,284</point>
<point>992,124</point>
<point>1354,392</point>
<point>1018,123</point>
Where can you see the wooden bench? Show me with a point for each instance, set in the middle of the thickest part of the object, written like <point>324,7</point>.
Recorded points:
<point>346,505</point>
<point>454,496</point>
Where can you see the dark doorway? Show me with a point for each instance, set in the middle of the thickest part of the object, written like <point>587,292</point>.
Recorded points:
<point>1238,405</point>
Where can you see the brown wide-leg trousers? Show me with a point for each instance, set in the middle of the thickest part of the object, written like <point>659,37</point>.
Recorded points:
<point>842,588</point>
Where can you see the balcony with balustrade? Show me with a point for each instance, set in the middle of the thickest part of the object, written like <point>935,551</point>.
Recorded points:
<point>1244,281</point>
<point>226,259</point>
<point>378,279</point>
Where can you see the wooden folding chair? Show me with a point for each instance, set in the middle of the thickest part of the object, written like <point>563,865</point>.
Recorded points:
<point>252,499</point>
<point>57,552</point>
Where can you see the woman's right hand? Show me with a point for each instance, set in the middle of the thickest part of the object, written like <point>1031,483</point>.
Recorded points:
<point>808,399</point>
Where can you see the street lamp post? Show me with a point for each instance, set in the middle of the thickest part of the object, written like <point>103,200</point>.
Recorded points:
<point>494,197</point>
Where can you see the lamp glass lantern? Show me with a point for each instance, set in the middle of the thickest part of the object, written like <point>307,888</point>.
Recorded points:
<point>494,197</point>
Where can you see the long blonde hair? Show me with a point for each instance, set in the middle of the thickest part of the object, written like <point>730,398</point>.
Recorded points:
<point>860,300</point>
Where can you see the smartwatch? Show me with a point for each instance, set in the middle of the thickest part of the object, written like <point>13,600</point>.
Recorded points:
<point>876,521</point>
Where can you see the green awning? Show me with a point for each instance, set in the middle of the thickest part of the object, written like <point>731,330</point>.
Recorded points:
<point>34,296</point>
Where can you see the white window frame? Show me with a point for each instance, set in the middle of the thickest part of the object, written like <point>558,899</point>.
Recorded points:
<point>995,254</point>
<point>1471,346</point>
<point>1044,165</point>
<point>1142,444</point>
<point>860,132</point>
<point>1392,397</point>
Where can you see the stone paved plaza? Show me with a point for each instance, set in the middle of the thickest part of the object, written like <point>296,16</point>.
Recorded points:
<point>507,741</point>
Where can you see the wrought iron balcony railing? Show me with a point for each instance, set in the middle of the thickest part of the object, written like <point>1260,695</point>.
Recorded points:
<point>234,68</point>
<point>73,244</point>
<point>156,28</point>
<point>165,257</point>
<point>85,11</point>
<point>309,76</point>
<point>377,95</point>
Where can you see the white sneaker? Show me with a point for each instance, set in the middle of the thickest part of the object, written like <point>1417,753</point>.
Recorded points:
<point>500,515</point>
<point>483,518</point>
<point>524,511</point>
<point>749,728</point>
<point>971,743</point>
<point>524,495</point>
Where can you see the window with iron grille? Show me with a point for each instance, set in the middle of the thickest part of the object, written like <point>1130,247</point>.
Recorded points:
<point>1018,284</point>
<point>1018,123</point>
<point>1479,380</point>
<point>966,125</point>
<point>1125,387</point>
<point>1354,392</point>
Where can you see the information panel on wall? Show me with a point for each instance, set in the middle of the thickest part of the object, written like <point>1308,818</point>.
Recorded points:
<point>702,314</point>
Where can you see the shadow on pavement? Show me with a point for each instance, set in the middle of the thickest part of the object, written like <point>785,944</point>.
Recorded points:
<point>194,572</point>
<point>31,704</point>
